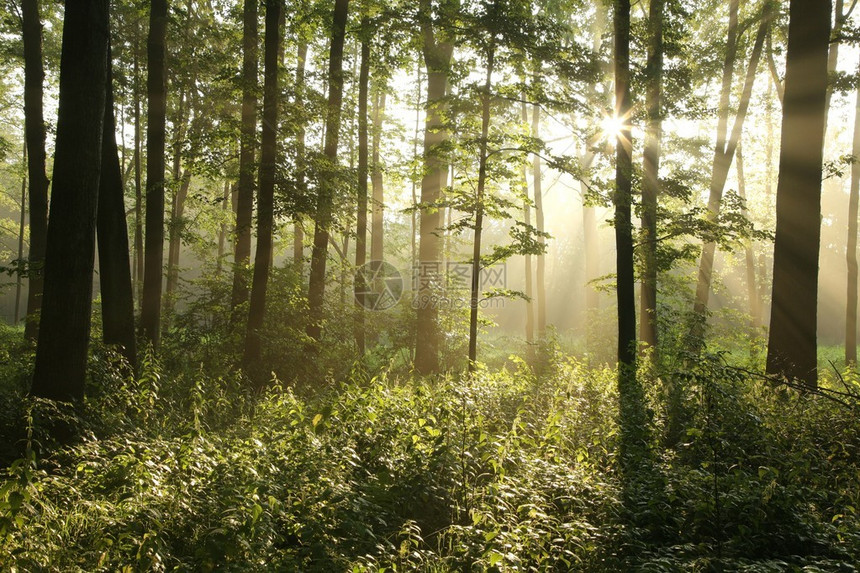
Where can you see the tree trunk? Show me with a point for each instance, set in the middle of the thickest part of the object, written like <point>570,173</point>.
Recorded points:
<point>479,208</point>
<point>791,349</point>
<point>540,282</point>
<point>833,55</point>
<point>114,270</point>
<point>22,224</point>
<point>650,180</point>
<point>138,187</point>
<point>266,194</point>
<point>174,243</point>
<point>150,314</point>
<point>527,218</point>
<point>377,233</point>
<point>298,230</point>
<point>64,329</point>
<point>245,205</point>
<point>851,251</point>
<point>437,59</point>
<point>723,155</point>
<point>361,219</point>
<point>34,130</point>
<point>414,213</point>
<point>222,230</point>
<point>749,255</point>
<point>316,286</point>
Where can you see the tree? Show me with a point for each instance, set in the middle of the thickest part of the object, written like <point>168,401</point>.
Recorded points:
<point>156,83</point>
<point>316,287</point>
<point>114,271</point>
<point>34,128</point>
<point>851,251</point>
<point>651,176</point>
<point>266,194</point>
<point>64,328</point>
<point>376,236</point>
<point>245,204</point>
<point>437,50</point>
<point>361,217</point>
<point>722,162</point>
<point>540,266</point>
<point>792,342</point>
<point>623,200</point>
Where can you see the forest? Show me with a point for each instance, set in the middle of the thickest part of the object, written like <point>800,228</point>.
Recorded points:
<point>429,285</point>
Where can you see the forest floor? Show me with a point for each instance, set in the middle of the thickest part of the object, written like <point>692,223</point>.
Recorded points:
<point>503,471</point>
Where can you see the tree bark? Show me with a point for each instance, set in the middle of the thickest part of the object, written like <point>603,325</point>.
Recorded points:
<point>266,194</point>
<point>377,233</point>
<point>114,271</point>
<point>298,230</point>
<point>851,251</point>
<point>319,254</point>
<point>247,144</point>
<point>34,131</point>
<point>222,230</point>
<point>792,344</point>
<point>22,225</point>
<point>651,180</point>
<point>540,278</point>
<point>138,187</point>
<point>437,52</point>
<point>361,219</point>
<point>64,329</point>
<point>527,218</point>
<point>150,314</point>
<point>479,208</point>
<point>723,156</point>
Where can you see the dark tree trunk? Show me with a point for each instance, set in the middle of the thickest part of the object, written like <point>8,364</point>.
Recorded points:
<point>437,59</point>
<point>245,205</point>
<point>723,156</point>
<point>266,194</point>
<point>414,214</point>
<point>623,199</point>
<point>150,313</point>
<point>64,329</point>
<point>479,209</point>
<point>22,225</point>
<point>361,218</point>
<point>377,233</point>
<point>791,349</point>
<point>138,187</point>
<point>114,270</point>
<point>316,287</point>
<point>222,230</point>
<point>34,131</point>
<point>650,180</point>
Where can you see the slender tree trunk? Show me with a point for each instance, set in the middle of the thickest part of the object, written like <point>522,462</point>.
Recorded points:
<point>851,251</point>
<point>222,230</point>
<point>414,212</point>
<point>479,208</point>
<point>377,233</point>
<point>651,181</point>
<point>792,344</point>
<point>527,218</point>
<point>540,282</point>
<point>623,199</point>
<point>361,219</point>
<point>298,230</point>
<point>749,255</point>
<point>723,156</point>
<point>174,243</point>
<point>265,197</point>
<point>150,314</point>
<point>833,55</point>
<point>64,330</point>
<point>138,187</point>
<point>247,143</point>
<point>34,128</point>
<point>114,271</point>
<point>316,287</point>
<point>437,53</point>
<point>21,228</point>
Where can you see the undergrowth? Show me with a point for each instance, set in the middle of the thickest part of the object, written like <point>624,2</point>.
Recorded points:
<point>180,470</point>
